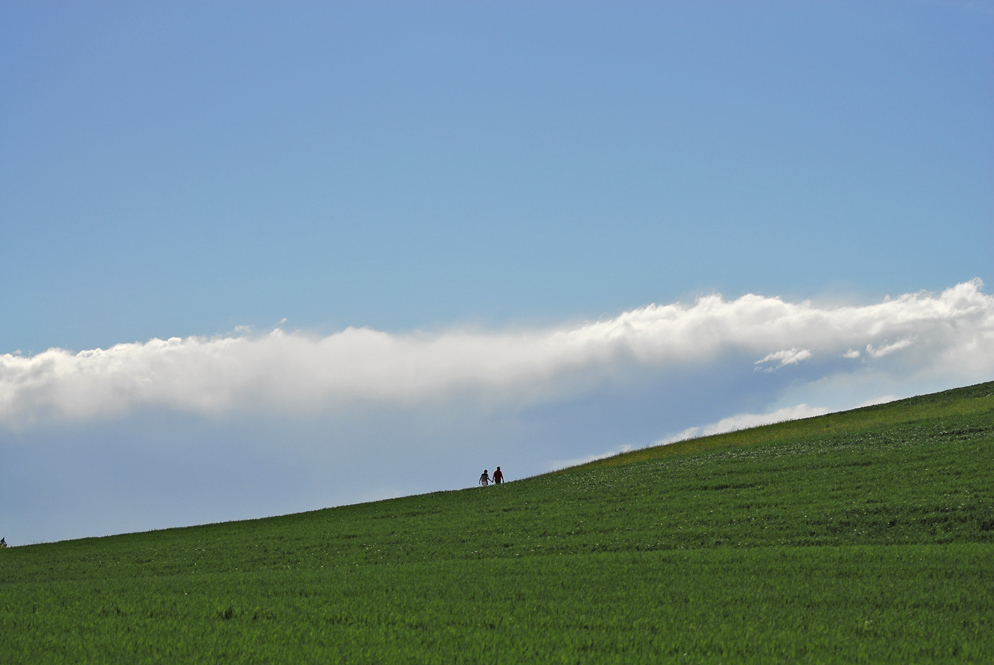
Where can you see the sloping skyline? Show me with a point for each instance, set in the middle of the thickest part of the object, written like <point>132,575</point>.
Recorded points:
<point>263,259</point>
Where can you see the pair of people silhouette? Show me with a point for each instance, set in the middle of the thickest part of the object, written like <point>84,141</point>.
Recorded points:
<point>497,479</point>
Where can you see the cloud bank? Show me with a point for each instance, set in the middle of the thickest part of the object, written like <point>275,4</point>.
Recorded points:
<point>295,373</point>
<point>208,429</point>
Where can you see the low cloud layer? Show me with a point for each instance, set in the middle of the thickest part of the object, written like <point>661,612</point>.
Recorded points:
<point>206,429</point>
<point>293,373</point>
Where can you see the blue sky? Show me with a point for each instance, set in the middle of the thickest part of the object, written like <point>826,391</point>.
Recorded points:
<point>260,258</point>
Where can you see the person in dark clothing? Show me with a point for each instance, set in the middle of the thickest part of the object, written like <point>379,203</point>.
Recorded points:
<point>498,477</point>
<point>484,479</point>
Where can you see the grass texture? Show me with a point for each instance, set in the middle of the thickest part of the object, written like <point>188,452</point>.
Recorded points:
<point>863,536</point>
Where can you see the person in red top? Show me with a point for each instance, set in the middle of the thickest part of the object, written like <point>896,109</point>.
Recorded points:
<point>498,477</point>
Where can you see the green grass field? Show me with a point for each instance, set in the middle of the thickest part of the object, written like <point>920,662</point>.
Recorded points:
<point>864,536</point>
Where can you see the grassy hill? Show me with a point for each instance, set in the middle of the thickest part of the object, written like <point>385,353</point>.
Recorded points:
<point>863,536</point>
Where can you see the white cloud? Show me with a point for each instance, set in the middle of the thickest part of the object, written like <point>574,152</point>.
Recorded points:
<point>887,349</point>
<point>852,354</point>
<point>745,421</point>
<point>786,357</point>
<point>949,335</point>
<point>254,424</point>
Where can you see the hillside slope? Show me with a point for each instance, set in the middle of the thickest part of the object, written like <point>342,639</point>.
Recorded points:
<point>863,535</point>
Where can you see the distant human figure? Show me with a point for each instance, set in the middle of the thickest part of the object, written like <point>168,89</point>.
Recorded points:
<point>498,477</point>
<point>484,479</point>
<point>3,543</point>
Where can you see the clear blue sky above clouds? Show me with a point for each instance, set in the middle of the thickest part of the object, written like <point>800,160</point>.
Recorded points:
<point>210,170</point>
<point>185,168</point>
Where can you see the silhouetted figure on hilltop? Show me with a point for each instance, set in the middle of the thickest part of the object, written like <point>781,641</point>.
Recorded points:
<point>498,477</point>
<point>484,479</point>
